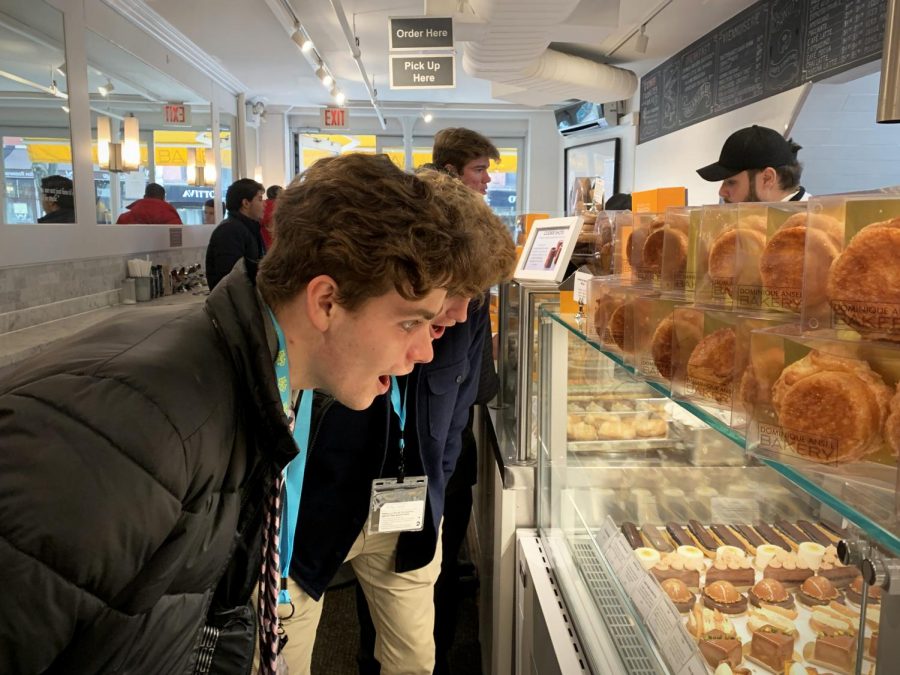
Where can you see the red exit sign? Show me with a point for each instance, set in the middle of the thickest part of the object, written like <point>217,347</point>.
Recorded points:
<point>334,118</point>
<point>176,113</point>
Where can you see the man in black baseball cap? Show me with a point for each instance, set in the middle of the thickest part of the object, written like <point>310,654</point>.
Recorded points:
<point>757,164</point>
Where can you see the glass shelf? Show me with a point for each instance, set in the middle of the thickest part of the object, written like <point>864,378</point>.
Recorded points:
<point>870,506</point>
<point>577,327</point>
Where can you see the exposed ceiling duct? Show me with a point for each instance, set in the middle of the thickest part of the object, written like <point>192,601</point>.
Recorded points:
<point>512,52</point>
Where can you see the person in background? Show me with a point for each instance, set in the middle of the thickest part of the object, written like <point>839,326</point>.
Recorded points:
<point>396,568</point>
<point>466,154</point>
<point>57,200</point>
<point>209,212</point>
<point>621,201</point>
<point>266,223</point>
<point>238,235</point>
<point>140,460</point>
<point>757,164</point>
<point>153,209</point>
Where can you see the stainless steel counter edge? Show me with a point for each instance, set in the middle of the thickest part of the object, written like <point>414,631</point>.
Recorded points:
<point>516,475</point>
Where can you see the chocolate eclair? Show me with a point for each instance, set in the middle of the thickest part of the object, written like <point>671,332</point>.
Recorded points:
<point>632,535</point>
<point>679,534</point>
<point>727,537</point>
<point>790,531</point>
<point>813,533</point>
<point>749,534</point>
<point>703,537</point>
<point>656,539</point>
<point>768,533</point>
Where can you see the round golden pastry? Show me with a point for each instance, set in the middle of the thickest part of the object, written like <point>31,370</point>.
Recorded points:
<point>758,377</point>
<point>722,263</point>
<point>832,408</point>
<point>665,246</point>
<point>604,306</point>
<point>817,591</point>
<point>634,245</point>
<point>678,593</point>
<point>723,596</point>
<point>826,224</point>
<point>582,432</point>
<point>781,265</point>
<point>770,592</point>
<point>606,259</point>
<point>710,368</point>
<point>892,423</point>
<point>650,427</point>
<point>618,328</point>
<point>863,284</point>
<point>667,341</point>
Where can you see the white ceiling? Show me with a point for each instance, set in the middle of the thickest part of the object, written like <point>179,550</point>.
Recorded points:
<point>254,45</point>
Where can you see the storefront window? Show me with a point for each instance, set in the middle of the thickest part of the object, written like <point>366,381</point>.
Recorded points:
<point>36,142</point>
<point>311,147</point>
<point>173,152</point>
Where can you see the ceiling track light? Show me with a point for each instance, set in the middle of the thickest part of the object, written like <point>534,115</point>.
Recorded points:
<point>642,41</point>
<point>324,76</point>
<point>338,95</point>
<point>427,117</point>
<point>61,69</point>
<point>302,39</point>
<point>106,89</point>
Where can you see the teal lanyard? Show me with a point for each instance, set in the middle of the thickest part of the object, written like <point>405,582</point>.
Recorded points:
<point>293,472</point>
<point>400,411</point>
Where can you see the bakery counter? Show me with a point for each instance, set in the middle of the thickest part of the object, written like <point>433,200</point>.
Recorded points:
<point>697,555</point>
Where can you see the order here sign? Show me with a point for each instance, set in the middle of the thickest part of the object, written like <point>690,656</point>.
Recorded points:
<point>423,72</point>
<point>422,32</point>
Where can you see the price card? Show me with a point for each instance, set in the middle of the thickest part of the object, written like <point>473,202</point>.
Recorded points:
<point>606,532</point>
<point>695,666</point>
<point>631,574</point>
<point>580,290</point>
<point>662,623</point>
<point>618,552</point>
<point>646,595</point>
<point>678,647</point>
<point>732,510</point>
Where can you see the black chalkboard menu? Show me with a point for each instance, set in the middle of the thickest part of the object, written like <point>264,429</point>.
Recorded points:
<point>770,47</point>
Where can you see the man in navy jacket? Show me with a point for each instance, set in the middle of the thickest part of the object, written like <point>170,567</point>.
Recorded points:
<point>349,449</point>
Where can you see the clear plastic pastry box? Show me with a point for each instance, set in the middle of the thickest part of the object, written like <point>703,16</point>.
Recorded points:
<point>852,266</point>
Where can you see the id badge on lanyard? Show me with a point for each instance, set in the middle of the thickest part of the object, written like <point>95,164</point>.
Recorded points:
<point>398,504</point>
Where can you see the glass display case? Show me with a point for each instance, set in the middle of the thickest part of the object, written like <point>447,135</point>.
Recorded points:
<point>678,551</point>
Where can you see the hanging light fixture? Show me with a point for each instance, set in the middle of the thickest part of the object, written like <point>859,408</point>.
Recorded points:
<point>202,172</point>
<point>427,117</point>
<point>106,89</point>
<point>118,157</point>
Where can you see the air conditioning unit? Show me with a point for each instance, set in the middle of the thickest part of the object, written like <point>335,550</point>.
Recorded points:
<point>584,116</point>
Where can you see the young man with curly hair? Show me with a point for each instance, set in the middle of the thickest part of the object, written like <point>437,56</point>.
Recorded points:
<point>141,460</point>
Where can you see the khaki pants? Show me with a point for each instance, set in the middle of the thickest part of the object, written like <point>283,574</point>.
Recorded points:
<point>402,607</point>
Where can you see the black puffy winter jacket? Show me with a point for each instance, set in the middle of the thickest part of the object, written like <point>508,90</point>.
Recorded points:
<point>133,462</point>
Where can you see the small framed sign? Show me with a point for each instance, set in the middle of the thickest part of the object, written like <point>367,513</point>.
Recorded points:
<point>548,249</point>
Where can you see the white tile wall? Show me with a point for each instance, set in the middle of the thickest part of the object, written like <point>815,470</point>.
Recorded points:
<point>844,149</point>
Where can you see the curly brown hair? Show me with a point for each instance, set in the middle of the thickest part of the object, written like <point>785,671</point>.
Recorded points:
<point>457,146</point>
<point>368,225</point>
<point>492,257</point>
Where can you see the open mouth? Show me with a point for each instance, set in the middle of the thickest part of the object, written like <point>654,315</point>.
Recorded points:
<point>384,382</point>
